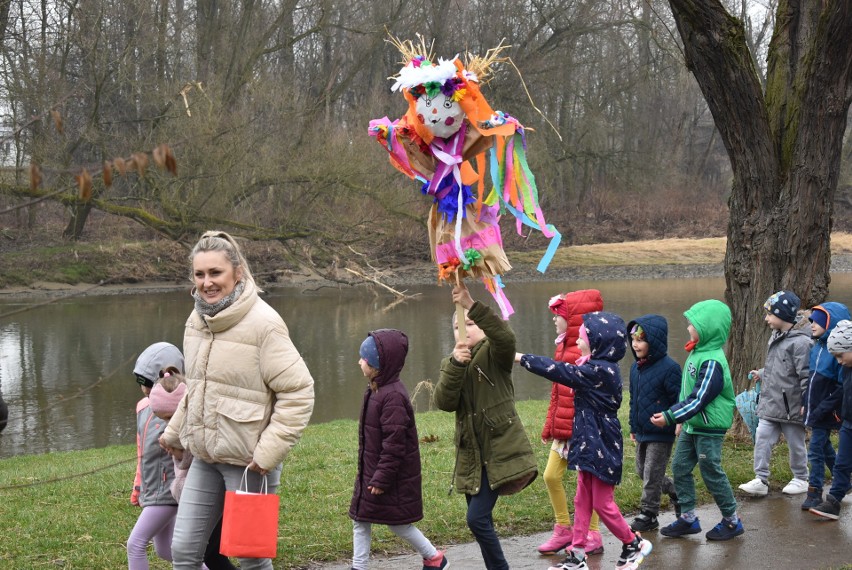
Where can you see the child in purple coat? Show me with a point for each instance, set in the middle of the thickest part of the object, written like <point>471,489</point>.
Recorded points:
<point>388,483</point>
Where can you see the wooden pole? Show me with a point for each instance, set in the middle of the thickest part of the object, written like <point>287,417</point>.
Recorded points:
<point>460,318</point>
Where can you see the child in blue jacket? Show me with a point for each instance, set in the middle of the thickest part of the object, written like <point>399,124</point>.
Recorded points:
<point>840,346</point>
<point>654,387</point>
<point>821,400</point>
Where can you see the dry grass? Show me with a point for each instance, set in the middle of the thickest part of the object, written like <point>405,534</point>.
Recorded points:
<point>841,242</point>
<point>673,251</point>
<point>653,252</point>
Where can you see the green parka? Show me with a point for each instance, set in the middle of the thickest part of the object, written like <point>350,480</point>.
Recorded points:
<point>489,432</point>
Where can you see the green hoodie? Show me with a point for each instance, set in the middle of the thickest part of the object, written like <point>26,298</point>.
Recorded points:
<point>712,321</point>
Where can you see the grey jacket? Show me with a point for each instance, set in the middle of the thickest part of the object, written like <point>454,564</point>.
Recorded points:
<point>784,377</point>
<point>156,470</point>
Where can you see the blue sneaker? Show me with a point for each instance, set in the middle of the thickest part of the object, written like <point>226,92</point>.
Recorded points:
<point>726,530</point>
<point>681,528</point>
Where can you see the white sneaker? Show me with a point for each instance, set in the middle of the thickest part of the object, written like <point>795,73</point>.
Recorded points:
<point>795,487</point>
<point>758,488</point>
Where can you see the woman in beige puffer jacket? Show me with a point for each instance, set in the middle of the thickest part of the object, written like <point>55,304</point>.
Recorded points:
<point>250,395</point>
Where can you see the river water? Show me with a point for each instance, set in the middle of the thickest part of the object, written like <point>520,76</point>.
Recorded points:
<point>66,367</point>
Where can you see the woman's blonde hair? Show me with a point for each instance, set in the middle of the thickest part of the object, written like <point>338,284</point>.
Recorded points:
<point>221,241</point>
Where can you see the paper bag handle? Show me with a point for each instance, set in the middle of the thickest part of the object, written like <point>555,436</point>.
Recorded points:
<point>243,488</point>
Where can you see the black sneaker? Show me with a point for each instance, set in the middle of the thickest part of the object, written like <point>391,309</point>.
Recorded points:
<point>633,553</point>
<point>828,509</point>
<point>572,562</point>
<point>644,522</point>
<point>813,500</point>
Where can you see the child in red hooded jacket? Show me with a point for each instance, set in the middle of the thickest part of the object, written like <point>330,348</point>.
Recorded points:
<point>568,311</point>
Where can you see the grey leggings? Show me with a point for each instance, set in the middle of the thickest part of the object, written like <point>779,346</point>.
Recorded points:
<point>362,534</point>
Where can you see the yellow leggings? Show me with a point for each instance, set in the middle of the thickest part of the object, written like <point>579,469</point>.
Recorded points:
<point>553,474</point>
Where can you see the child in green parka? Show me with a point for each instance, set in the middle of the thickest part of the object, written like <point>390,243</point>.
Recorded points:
<point>493,453</point>
<point>705,412</point>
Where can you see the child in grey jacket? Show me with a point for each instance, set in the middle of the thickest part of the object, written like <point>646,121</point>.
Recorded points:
<point>784,380</point>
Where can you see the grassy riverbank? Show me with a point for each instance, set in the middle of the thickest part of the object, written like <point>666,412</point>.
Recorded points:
<point>72,510</point>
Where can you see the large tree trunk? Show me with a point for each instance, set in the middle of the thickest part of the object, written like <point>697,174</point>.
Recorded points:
<point>784,146</point>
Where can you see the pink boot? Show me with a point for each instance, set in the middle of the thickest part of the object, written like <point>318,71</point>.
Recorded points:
<point>594,542</point>
<point>562,536</point>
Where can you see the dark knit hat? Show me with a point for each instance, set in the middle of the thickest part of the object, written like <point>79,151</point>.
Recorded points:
<point>370,352</point>
<point>819,316</point>
<point>784,305</point>
<point>840,339</point>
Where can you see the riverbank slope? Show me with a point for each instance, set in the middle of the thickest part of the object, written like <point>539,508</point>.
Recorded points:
<point>161,265</point>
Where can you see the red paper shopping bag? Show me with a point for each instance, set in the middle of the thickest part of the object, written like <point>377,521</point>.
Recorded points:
<point>250,524</point>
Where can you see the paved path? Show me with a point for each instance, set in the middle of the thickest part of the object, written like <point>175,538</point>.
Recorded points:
<point>778,535</point>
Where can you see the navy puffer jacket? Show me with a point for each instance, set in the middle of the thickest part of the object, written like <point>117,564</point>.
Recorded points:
<point>596,444</point>
<point>822,399</point>
<point>388,447</point>
<point>654,381</point>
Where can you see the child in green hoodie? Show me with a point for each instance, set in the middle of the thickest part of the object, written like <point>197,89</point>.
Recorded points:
<point>705,412</point>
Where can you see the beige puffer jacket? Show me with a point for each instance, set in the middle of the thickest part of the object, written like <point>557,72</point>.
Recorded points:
<point>250,394</point>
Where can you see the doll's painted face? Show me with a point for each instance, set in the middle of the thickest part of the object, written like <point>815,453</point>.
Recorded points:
<point>439,114</point>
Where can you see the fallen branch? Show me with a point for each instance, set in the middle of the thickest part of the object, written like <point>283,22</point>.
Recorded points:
<point>400,294</point>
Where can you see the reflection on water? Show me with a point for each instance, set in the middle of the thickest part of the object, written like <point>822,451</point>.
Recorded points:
<point>66,368</point>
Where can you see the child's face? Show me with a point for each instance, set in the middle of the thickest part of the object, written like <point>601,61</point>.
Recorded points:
<point>474,333</point>
<point>146,391</point>
<point>844,359</point>
<point>816,330</point>
<point>583,346</point>
<point>775,323</point>
<point>640,346</point>
<point>368,371</point>
<point>693,334</point>
<point>164,416</point>
<point>561,324</point>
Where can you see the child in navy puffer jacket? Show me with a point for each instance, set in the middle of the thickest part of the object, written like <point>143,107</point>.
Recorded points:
<point>822,398</point>
<point>596,442</point>
<point>654,387</point>
<point>568,311</point>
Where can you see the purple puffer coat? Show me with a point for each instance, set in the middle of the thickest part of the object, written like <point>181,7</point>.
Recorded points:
<point>388,447</point>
